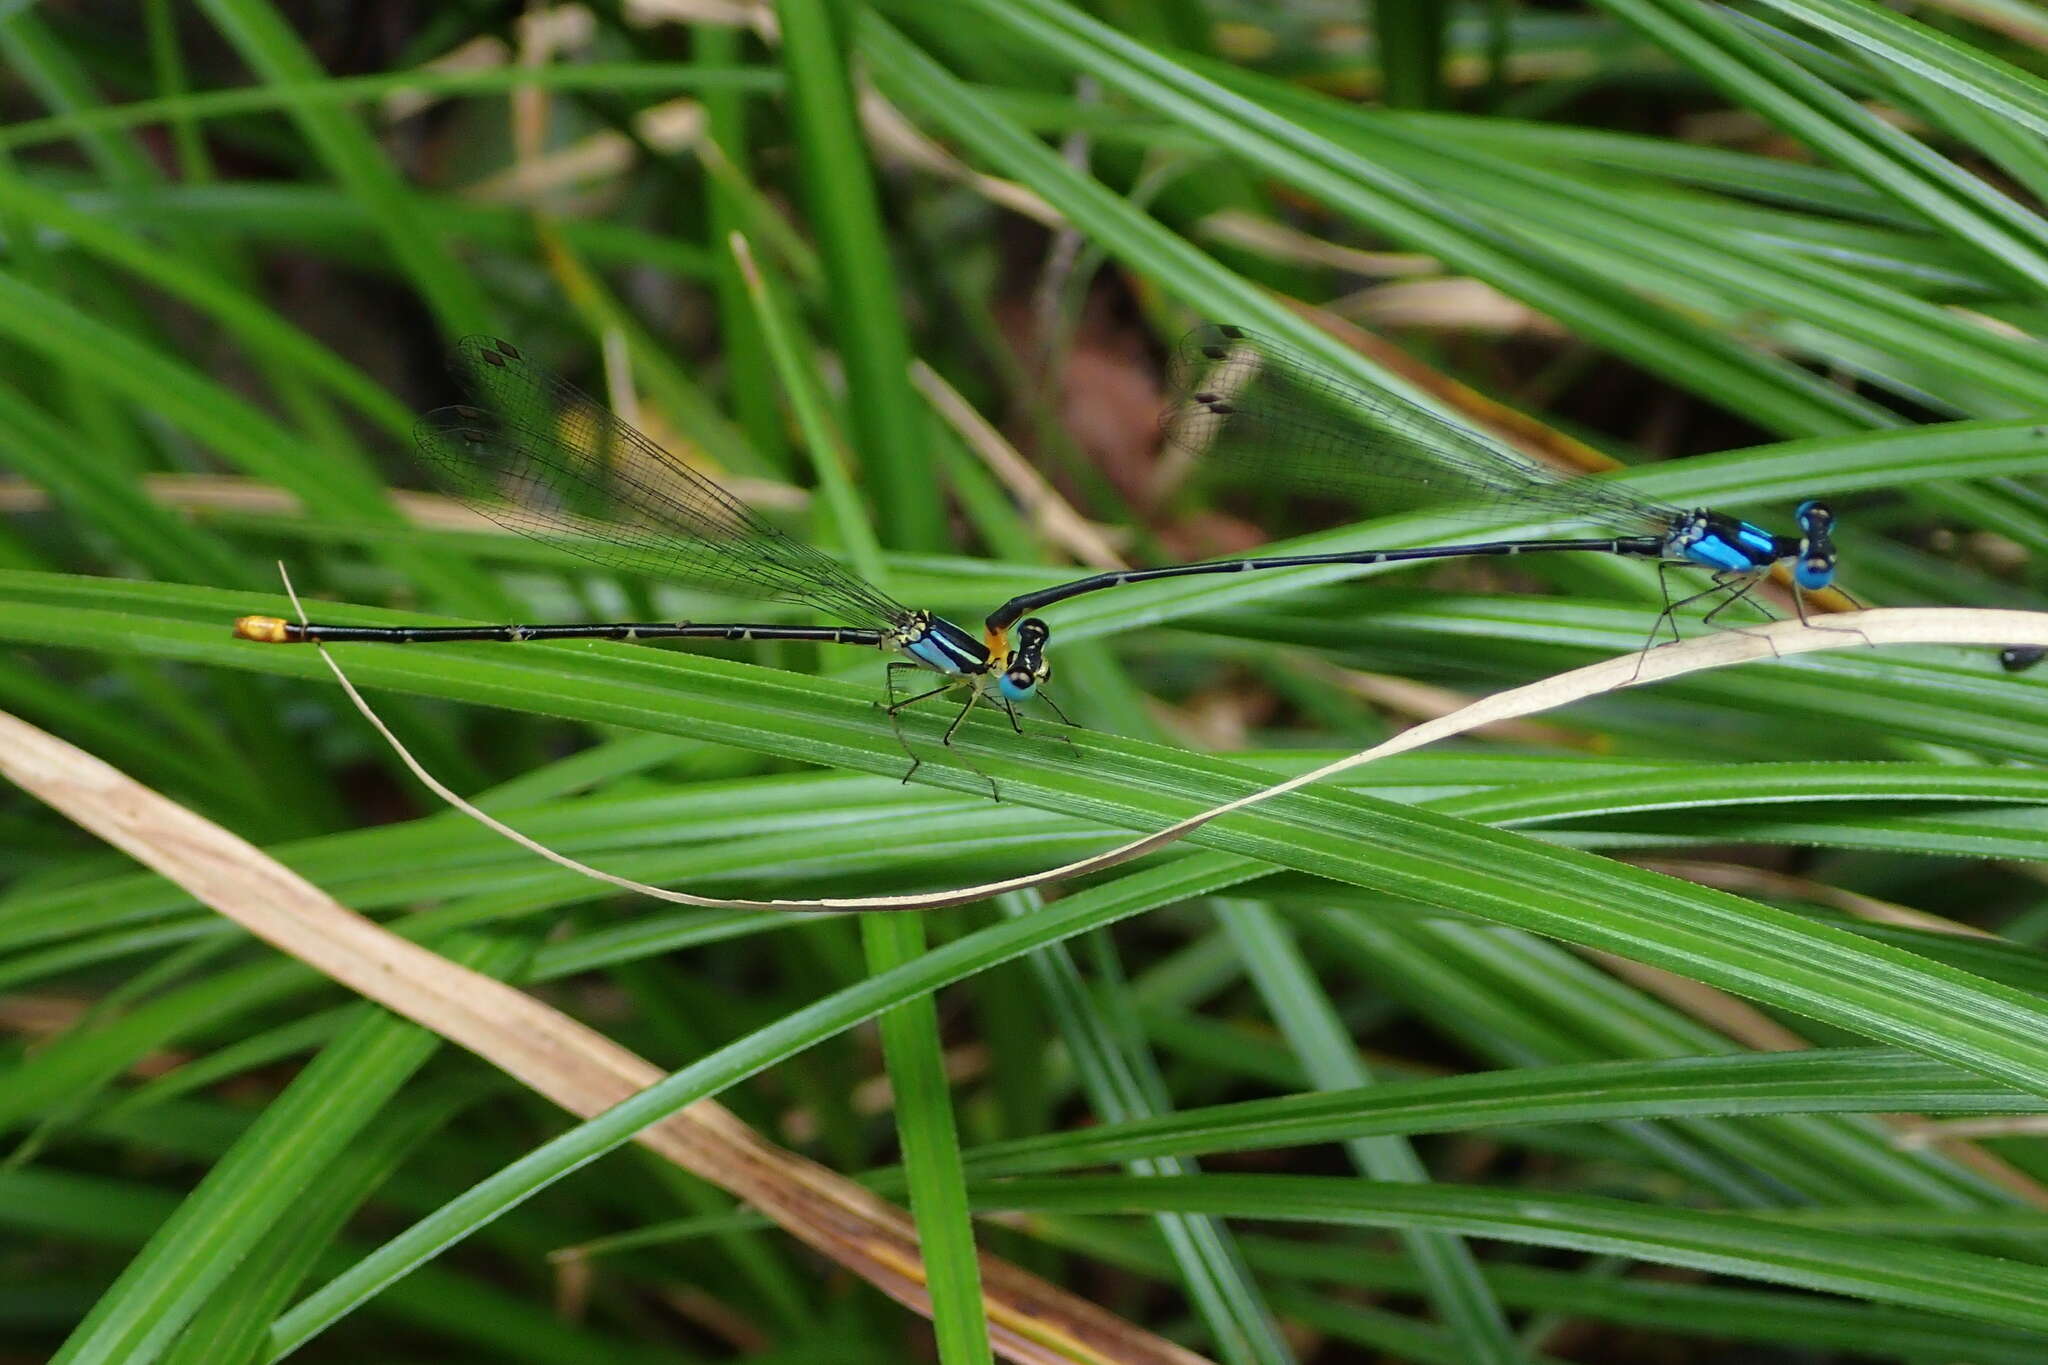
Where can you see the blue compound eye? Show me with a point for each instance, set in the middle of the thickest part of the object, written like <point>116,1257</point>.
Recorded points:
<point>1017,685</point>
<point>1814,566</point>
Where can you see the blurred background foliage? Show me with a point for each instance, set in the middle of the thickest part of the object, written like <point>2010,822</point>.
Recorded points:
<point>1755,252</point>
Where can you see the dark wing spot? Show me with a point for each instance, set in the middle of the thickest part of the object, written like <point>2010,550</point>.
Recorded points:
<point>1233,332</point>
<point>1215,352</point>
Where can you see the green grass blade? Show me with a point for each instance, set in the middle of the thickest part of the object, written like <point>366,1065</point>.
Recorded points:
<point>1086,910</point>
<point>931,1146</point>
<point>1122,1084</point>
<point>1596,306</point>
<point>1306,1016</point>
<point>2009,238</point>
<point>1704,934</point>
<point>270,46</point>
<point>1969,1284</point>
<point>1999,87</point>
<point>1836,1080</point>
<point>299,1133</point>
<point>866,310</point>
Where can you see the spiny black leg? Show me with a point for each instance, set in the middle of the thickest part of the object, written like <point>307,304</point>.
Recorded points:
<point>1650,640</point>
<point>973,696</point>
<point>1722,579</point>
<point>1741,594</point>
<point>896,722</point>
<point>912,701</point>
<point>1063,720</point>
<point>1668,616</point>
<point>1724,582</point>
<point>1799,601</point>
<point>1010,709</point>
<point>1047,698</point>
<point>895,706</point>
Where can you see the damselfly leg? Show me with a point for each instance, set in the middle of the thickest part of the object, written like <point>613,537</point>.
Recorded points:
<point>1799,603</point>
<point>1046,697</point>
<point>1736,584</point>
<point>895,708</point>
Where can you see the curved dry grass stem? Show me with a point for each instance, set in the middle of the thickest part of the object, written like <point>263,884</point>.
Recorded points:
<point>1891,626</point>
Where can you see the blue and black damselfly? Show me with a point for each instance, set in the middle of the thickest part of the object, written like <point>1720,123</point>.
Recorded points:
<point>533,453</point>
<point>1256,402</point>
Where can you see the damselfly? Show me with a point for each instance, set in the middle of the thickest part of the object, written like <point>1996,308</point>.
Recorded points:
<point>1260,403</point>
<point>536,455</point>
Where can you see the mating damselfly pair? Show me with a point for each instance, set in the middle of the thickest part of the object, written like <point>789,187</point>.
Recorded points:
<point>535,454</point>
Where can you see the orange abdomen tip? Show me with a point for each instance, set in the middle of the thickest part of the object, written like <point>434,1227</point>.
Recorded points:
<point>270,630</point>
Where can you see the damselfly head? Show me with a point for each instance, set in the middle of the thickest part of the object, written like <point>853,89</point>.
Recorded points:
<point>1814,568</point>
<point>1027,666</point>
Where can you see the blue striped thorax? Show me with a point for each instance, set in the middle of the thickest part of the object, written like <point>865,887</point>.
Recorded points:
<point>940,645</point>
<point>1725,545</point>
<point>1814,568</point>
